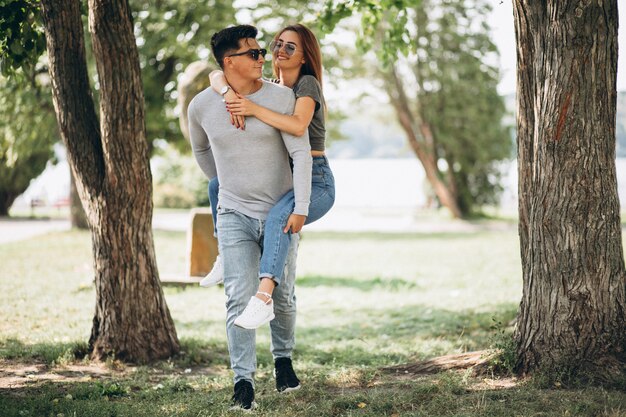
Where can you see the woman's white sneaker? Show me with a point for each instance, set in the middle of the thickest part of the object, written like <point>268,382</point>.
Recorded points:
<point>256,314</point>
<point>216,276</point>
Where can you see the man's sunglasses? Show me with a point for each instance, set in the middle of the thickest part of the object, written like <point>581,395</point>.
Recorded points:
<point>290,48</point>
<point>254,53</point>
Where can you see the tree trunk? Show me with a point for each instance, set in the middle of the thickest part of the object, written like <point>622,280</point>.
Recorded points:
<point>78,217</point>
<point>112,173</point>
<point>6,201</point>
<point>573,306</point>
<point>426,156</point>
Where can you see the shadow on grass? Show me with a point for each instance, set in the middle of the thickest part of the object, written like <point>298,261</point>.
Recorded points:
<point>192,352</point>
<point>338,364</point>
<point>49,352</point>
<point>324,393</point>
<point>374,337</point>
<point>392,336</point>
<point>392,284</point>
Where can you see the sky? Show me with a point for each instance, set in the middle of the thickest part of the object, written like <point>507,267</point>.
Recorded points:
<point>503,34</point>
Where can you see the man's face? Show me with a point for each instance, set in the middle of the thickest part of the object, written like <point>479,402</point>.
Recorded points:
<point>243,65</point>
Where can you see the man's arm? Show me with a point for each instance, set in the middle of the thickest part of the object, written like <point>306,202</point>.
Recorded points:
<point>200,143</point>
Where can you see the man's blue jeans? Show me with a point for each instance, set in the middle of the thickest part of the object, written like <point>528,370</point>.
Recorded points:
<point>276,243</point>
<point>240,240</point>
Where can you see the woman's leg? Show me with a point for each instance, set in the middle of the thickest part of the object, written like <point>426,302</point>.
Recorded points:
<point>322,190</point>
<point>275,242</point>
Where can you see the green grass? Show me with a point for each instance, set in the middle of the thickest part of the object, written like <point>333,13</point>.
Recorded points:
<point>365,302</point>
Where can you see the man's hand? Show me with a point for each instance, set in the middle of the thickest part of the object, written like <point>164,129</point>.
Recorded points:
<point>295,223</point>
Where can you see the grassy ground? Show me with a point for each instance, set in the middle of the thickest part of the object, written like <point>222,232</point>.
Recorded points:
<point>366,301</point>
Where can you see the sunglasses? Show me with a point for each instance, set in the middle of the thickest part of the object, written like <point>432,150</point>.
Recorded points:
<point>254,53</point>
<point>290,48</point>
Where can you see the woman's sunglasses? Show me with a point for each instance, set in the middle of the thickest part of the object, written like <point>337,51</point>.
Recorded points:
<point>254,53</point>
<point>276,46</point>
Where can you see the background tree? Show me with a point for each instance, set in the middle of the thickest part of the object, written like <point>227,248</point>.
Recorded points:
<point>171,35</point>
<point>573,308</point>
<point>27,135</point>
<point>433,57</point>
<point>110,162</point>
<point>21,35</point>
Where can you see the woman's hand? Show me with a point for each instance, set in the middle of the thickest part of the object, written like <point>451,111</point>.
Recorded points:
<point>295,223</point>
<point>238,121</point>
<point>241,106</point>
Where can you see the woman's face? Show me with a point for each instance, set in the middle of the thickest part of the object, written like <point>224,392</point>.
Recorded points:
<point>288,40</point>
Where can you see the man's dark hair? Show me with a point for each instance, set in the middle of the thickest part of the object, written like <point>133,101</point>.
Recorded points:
<point>228,40</point>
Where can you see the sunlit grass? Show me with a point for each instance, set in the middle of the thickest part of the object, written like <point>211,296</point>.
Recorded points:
<point>365,301</point>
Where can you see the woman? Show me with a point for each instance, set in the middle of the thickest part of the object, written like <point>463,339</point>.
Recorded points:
<point>297,64</point>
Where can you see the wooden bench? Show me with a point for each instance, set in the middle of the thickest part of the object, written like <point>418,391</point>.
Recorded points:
<point>201,244</point>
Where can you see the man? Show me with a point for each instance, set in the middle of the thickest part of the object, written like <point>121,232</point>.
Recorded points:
<point>254,171</point>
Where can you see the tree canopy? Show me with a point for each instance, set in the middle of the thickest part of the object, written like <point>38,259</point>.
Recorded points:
<point>27,134</point>
<point>438,67</point>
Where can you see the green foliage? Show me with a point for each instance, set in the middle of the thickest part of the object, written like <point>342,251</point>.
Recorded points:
<point>27,134</point>
<point>506,350</point>
<point>22,39</point>
<point>384,24</point>
<point>172,34</point>
<point>111,389</point>
<point>434,57</point>
<point>178,183</point>
<point>458,97</point>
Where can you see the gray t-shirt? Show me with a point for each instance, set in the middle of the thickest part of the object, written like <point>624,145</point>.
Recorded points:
<point>308,86</point>
<point>252,164</point>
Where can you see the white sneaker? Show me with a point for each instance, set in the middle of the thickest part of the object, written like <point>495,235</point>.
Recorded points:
<point>256,314</point>
<point>216,276</point>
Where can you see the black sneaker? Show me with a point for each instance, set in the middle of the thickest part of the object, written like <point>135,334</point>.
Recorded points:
<point>286,379</point>
<point>244,396</point>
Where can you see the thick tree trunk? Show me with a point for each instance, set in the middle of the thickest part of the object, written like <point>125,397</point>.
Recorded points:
<point>113,177</point>
<point>6,201</point>
<point>573,306</point>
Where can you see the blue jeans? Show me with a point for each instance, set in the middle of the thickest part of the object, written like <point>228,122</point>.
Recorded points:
<point>214,189</point>
<point>276,243</point>
<point>240,241</point>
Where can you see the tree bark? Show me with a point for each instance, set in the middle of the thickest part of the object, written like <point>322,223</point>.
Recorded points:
<point>6,201</point>
<point>78,217</point>
<point>111,167</point>
<point>573,306</point>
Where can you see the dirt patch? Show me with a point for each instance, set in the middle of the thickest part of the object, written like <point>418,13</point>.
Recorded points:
<point>20,375</point>
<point>497,383</point>
<point>15,375</point>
